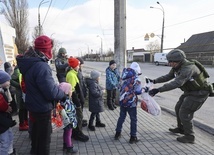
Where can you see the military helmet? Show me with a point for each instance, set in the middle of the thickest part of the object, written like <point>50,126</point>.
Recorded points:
<point>176,55</point>
<point>62,51</point>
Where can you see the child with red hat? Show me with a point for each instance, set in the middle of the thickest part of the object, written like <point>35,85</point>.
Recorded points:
<point>77,97</point>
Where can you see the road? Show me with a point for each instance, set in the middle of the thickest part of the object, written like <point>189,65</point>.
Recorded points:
<point>167,99</point>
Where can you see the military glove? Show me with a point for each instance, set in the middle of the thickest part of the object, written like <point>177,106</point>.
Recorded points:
<point>153,92</point>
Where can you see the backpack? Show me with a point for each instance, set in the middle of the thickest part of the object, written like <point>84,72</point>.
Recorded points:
<point>205,74</point>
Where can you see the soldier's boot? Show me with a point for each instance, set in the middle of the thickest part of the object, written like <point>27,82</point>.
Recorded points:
<point>187,139</point>
<point>176,130</point>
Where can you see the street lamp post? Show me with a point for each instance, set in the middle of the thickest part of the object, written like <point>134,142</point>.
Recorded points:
<point>162,35</point>
<point>39,24</point>
<point>101,50</point>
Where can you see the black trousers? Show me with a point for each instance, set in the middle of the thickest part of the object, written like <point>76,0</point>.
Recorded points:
<point>41,133</point>
<point>93,116</point>
<point>111,97</point>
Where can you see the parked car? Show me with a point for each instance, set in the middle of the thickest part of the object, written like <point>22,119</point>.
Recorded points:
<point>160,59</point>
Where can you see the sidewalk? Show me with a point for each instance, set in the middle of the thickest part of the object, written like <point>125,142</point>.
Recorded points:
<point>152,131</point>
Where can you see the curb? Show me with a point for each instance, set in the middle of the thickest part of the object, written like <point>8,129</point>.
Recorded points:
<point>197,123</point>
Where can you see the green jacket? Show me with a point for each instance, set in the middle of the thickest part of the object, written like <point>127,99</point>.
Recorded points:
<point>187,76</point>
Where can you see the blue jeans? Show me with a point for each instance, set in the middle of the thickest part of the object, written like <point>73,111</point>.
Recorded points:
<point>133,116</point>
<point>6,142</point>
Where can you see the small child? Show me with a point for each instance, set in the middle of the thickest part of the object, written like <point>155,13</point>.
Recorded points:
<point>69,118</point>
<point>130,88</point>
<point>6,122</point>
<point>96,102</point>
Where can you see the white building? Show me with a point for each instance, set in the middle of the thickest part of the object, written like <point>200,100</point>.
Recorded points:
<point>7,43</point>
<point>139,55</point>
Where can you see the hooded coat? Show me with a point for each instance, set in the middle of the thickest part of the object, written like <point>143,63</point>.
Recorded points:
<point>96,102</point>
<point>41,89</point>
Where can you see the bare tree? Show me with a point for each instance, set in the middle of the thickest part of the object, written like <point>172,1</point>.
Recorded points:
<point>153,47</point>
<point>36,32</point>
<point>16,13</point>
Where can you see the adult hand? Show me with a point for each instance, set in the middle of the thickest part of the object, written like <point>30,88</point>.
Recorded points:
<point>153,92</point>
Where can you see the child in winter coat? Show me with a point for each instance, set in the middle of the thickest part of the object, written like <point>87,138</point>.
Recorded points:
<point>6,122</point>
<point>131,87</point>
<point>96,102</point>
<point>68,114</point>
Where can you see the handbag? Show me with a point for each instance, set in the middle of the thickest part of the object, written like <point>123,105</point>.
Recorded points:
<point>56,119</point>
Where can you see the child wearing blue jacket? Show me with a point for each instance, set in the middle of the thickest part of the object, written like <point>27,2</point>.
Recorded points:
<point>130,88</point>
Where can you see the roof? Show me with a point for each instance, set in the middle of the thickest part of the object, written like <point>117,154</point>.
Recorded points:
<point>203,42</point>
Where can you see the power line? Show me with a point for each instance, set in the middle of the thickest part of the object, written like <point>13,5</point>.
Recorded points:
<point>47,12</point>
<point>175,25</point>
<point>190,20</point>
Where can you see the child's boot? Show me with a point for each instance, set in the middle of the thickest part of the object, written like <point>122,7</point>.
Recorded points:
<point>117,135</point>
<point>72,150</point>
<point>91,127</point>
<point>133,139</point>
<point>99,124</point>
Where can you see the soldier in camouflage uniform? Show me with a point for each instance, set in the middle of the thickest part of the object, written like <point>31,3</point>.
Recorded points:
<point>191,78</point>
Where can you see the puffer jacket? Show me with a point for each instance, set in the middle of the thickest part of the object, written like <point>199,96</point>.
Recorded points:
<point>96,101</point>
<point>5,117</point>
<point>112,78</point>
<point>130,88</point>
<point>41,89</point>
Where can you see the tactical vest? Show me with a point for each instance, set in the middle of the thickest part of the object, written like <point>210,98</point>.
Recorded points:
<point>199,82</point>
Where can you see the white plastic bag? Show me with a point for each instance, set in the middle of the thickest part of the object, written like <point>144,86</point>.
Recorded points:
<point>148,103</point>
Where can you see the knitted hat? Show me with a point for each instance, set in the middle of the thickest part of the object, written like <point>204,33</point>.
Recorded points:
<point>65,87</point>
<point>111,62</point>
<point>73,62</point>
<point>4,77</point>
<point>135,66</point>
<point>81,60</point>
<point>95,74</point>
<point>44,44</point>
<point>8,68</point>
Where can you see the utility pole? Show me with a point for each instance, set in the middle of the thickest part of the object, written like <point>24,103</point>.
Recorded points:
<point>120,55</point>
<point>39,23</point>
